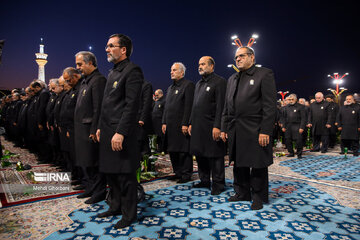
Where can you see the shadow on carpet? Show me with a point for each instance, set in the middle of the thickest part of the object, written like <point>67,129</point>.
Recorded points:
<point>325,167</point>
<point>296,211</point>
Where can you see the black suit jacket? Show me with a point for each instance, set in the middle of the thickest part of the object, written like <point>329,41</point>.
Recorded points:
<point>250,109</point>
<point>86,117</point>
<point>119,111</point>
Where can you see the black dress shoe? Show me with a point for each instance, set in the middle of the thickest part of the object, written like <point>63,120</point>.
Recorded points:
<point>216,191</point>
<point>84,195</point>
<point>299,156</point>
<point>237,198</point>
<point>256,205</point>
<point>95,199</point>
<point>342,153</point>
<point>201,185</point>
<point>80,187</point>
<point>184,180</point>
<point>108,214</point>
<point>290,155</point>
<point>314,150</point>
<point>122,224</point>
<point>323,151</point>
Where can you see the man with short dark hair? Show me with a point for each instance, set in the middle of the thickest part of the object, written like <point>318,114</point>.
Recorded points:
<point>117,130</point>
<point>248,121</point>
<point>87,113</point>
<point>41,99</point>
<point>157,114</point>
<point>205,125</point>
<point>294,120</point>
<point>72,77</point>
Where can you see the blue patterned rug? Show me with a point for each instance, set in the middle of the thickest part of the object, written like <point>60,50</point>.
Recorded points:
<point>325,167</point>
<point>296,211</point>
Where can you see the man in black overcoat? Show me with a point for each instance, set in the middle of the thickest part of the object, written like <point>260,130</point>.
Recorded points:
<point>87,113</point>
<point>50,116</point>
<point>73,79</point>
<point>117,130</point>
<point>144,117</point>
<point>294,125</point>
<point>248,121</point>
<point>157,114</point>
<point>41,99</point>
<point>179,99</point>
<point>62,141</point>
<point>334,109</point>
<point>348,122</point>
<point>205,125</point>
<point>320,116</point>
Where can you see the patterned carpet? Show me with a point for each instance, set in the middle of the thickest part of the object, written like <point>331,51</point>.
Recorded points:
<point>326,167</point>
<point>331,209</point>
<point>296,211</point>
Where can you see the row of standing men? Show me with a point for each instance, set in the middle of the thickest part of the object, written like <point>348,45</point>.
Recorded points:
<point>97,125</point>
<point>324,118</point>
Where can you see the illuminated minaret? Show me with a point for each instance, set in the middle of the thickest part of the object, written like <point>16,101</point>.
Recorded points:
<point>41,61</point>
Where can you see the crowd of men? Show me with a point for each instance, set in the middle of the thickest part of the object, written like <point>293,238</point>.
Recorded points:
<point>322,120</point>
<point>97,128</point>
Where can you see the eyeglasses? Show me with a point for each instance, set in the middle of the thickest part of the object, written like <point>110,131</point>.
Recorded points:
<point>242,56</point>
<point>111,46</point>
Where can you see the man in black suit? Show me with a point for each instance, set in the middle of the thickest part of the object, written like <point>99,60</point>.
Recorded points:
<point>319,119</point>
<point>179,99</point>
<point>87,113</point>
<point>205,125</point>
<point>348,122</point>
<point>334,112</point>
<point>41,99</point>
<point>117,130</point>
<point>157,114</point>
<point>293,125</point>
<point>248,121</point>
<point>72,77</point>
<point>144,118</point>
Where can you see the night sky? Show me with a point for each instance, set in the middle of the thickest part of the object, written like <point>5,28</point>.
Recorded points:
<point>301,41</point>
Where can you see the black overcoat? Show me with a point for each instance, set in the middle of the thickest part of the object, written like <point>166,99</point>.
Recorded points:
<point>334,107</point>
<point>145,108</point>
<point>206,114</point>
<point>87,113</point>
<point>349,119</point>
<point>320,114</point>
<point>250,109</point>
<point>119,115</point>
<point>294,119</point>
<point>179,99</point>
<point>157,114</point>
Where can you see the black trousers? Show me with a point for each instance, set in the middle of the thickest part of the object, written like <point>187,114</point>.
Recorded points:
<point>214,167</point>
<point>350,144</point>
<point>324,139</point>
<point>332,140</point>
<point>252,183</point>
<point>123,195</point>
<point>182,164</point>
<point>292,134</point>
<point>94,181</point>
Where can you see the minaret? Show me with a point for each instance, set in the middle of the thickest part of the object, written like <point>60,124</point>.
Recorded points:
<point>41,61</point>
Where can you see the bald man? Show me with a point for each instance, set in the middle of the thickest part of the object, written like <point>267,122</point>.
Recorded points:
<point>320,116</point>
<point>205,125</point>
